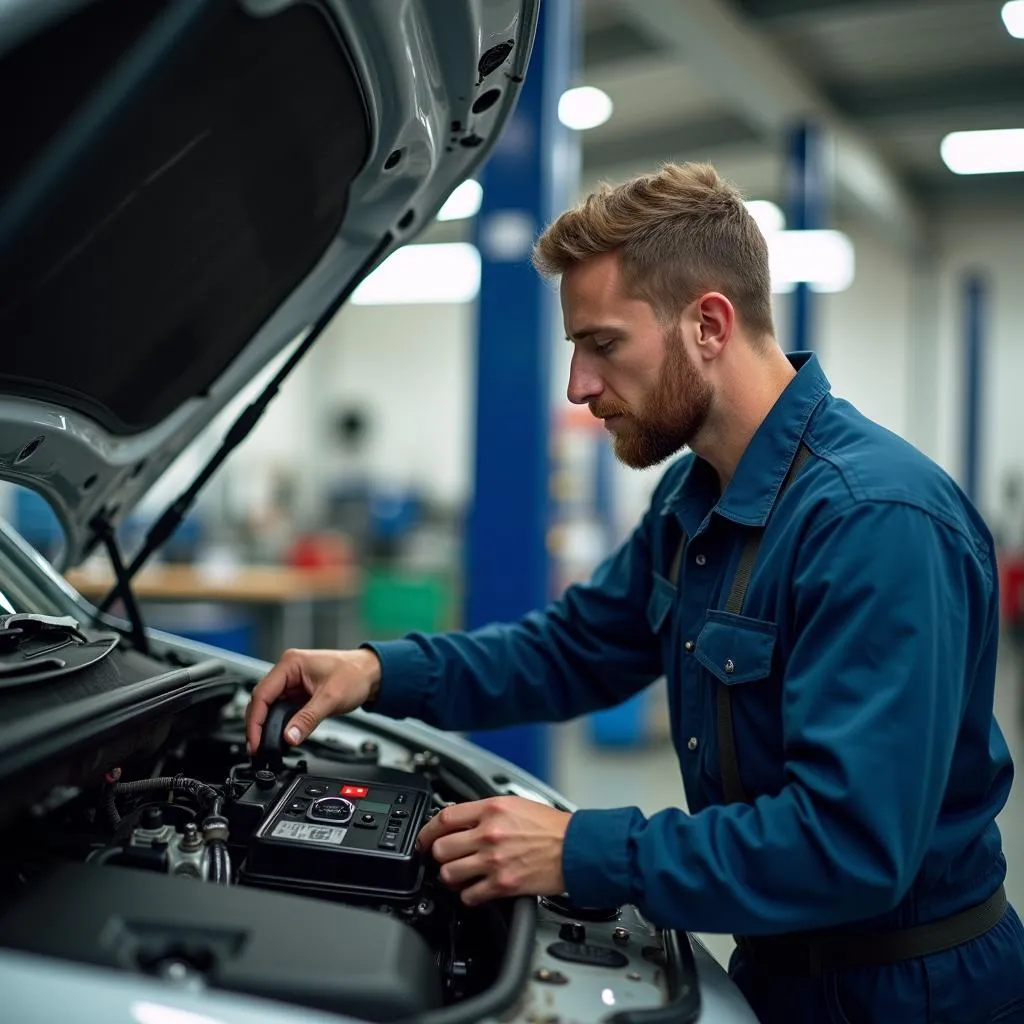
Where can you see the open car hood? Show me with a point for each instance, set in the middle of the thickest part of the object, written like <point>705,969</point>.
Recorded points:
<point>190,187</point>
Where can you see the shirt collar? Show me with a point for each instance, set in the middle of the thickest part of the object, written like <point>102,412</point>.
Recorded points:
<point>762,468</point>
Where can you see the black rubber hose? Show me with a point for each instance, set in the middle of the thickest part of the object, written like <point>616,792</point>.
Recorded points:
<point>511,979</point>
<point>179,783</point>
<point>112,812</point>
<point>104,854</point>
<point>220,862</point>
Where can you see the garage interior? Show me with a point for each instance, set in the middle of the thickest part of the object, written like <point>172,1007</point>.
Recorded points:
<point>383,491</point>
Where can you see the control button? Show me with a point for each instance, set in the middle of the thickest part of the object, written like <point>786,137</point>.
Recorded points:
<point>691,744</point>
<point>586,953</point>
<point>315,790</point>
<point>701,559</point>
<point>357,791</point>
<point>400,799</point>
<point>298,806</point>
<point>369,819</point>
<point>572,932</point>
<point>399,812</point>
<point>620,936</point>
<point>397,822</point>
<point>689,646</point>
<point>265,779</point>
<point>331,808</point>
<point>387,843</point>
<point>392,830</point>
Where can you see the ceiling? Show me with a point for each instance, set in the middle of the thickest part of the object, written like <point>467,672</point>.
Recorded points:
<point>723,79</point>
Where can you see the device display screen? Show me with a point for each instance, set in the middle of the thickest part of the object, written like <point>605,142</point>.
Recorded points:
<point>374,808</point>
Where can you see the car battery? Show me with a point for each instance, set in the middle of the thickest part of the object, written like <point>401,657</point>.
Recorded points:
<point>353,838</point>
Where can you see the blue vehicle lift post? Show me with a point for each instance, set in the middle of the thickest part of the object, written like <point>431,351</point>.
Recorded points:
<point>530,177</point>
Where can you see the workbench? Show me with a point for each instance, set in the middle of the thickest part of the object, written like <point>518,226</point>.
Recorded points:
<point>290,606</point>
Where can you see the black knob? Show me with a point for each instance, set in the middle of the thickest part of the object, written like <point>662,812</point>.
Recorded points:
<point>369,748</point>
<point>265,779</point>
<point>369,819</point>
<point>152,818</point>
<point>572,932</point>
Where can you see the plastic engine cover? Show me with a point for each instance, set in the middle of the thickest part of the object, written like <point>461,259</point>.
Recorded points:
<point>275,945</point>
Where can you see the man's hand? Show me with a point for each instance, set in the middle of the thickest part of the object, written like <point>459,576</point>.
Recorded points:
<point>335,682</point>
<point>504,846</point>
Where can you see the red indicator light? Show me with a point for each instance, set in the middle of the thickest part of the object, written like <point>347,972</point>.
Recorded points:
<point>356,791</point>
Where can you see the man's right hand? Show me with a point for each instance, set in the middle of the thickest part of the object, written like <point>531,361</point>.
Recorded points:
<point>335,682</point>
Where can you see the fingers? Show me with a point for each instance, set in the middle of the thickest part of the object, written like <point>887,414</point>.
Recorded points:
<point>459,873</point>
<point>266,692</point>
<point>456,818</point>
<point>455,846</point>
<point>320,706</point>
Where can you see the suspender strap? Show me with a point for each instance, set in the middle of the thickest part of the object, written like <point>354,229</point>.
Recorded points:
<point>728,760</point>
<point>728,757</point>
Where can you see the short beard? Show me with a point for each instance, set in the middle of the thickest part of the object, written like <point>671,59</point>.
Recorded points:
<point>672,416</point>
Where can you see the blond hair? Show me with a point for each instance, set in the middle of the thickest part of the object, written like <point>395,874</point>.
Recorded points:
<point>679,232</point>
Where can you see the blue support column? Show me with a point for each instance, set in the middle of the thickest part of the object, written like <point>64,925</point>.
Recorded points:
<point>805,211</point>
<point>530,177</point>
<point>975,295</point>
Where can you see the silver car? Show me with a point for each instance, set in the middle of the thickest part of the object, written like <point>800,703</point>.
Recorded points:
<point>189,191</point>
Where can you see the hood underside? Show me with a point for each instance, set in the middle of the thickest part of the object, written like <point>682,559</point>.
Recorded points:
<point>187,187</point>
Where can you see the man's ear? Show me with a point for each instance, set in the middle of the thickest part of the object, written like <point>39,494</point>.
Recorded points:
<point>716,318</point>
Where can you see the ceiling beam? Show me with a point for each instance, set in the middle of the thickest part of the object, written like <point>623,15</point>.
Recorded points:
<point>771,10</point>
<point>766,90</point>
<point>687,140</point>
<point>982,89</point>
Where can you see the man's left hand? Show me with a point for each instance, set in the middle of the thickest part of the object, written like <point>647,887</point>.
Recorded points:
<point>504,846</point>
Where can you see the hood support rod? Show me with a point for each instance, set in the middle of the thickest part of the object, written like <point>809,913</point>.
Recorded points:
<point>123,587</point>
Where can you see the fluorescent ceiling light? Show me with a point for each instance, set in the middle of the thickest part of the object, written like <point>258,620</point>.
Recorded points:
<point>984,152</point>
<point>768,216</point>
<point>434,273</point>
<point>583,108</point>
<point>1013,18</point>
<point>463,202</point>
<point>822,259</point>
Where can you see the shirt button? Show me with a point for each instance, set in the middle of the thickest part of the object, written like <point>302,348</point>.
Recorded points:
<point>689,645</point>
<point>701,559</point>
<point>691,743</point>
<point>730,667</point>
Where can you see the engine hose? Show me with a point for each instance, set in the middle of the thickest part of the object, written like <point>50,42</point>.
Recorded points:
<point>112,813</point>
<point>220,863</point>
<point>178,783</point>
<point>104,854</point>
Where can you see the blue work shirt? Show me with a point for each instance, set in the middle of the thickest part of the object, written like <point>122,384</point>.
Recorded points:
<point>862,680</point>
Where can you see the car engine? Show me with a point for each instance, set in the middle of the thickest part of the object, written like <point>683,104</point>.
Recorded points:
<point>291,875</point>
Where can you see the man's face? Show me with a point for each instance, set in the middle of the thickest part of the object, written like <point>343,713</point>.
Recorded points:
<point>632,371</point>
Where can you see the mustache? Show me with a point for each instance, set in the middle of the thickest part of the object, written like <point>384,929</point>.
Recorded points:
<point>603,412</point>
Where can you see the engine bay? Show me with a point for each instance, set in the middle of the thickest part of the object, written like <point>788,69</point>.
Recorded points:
<point>292,875</point>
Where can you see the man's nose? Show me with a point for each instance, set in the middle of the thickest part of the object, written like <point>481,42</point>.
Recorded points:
<point>584,384</point>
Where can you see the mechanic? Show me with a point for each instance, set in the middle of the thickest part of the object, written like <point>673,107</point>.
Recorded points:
<point>822,600</point>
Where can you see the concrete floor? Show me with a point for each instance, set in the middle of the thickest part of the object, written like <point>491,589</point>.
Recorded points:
<point>649,779</point>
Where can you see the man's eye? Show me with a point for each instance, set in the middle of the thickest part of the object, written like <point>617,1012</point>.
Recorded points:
<point>605,347</point>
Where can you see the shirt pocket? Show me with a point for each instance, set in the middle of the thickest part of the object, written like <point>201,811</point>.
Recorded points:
<point>739,652</point>
<point>736,649</point>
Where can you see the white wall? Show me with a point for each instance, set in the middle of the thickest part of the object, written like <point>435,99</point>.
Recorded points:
<point>411,368</point>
